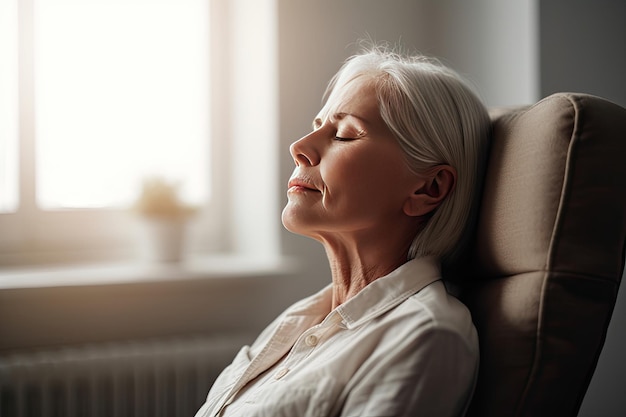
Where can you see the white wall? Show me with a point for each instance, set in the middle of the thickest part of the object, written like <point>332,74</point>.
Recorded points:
<point>493,42</point>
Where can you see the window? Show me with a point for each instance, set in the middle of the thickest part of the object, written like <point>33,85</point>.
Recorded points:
<point>99,94</point>
<point>8,107</point>
<point>121,94</point>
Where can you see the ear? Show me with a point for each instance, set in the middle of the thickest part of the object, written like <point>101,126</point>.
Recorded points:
<point>432,188</point>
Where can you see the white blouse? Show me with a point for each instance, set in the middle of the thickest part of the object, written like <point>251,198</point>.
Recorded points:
<point>401,347</point>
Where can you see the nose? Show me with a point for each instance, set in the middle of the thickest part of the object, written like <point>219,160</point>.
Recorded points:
<point>304,151</point>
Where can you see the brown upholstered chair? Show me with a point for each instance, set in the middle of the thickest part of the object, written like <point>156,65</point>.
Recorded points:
<point>549,253</point>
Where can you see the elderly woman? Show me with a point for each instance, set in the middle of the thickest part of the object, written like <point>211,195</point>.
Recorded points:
<point>387,181</point>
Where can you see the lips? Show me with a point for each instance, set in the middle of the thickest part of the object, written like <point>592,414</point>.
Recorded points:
<point>301,184</point>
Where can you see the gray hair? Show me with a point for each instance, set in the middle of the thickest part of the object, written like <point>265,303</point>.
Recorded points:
<point>437,119</point>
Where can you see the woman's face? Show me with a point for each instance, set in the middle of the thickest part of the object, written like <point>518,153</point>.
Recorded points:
<point>350,176</point>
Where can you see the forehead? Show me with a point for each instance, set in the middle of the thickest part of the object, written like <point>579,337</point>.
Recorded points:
<point>357,97</point>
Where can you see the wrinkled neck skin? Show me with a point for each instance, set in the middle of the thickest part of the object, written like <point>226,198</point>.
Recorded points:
<point>357,260</point>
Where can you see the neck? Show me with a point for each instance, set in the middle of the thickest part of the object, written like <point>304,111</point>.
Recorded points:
<point>354,265</point>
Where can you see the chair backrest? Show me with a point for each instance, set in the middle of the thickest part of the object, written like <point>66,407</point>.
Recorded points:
<point>548,254</point>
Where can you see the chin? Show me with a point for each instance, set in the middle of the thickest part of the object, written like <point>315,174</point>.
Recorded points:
<point>287,220</point>
<point>292,222</point>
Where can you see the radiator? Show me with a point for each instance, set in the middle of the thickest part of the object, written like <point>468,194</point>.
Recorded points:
<point>132,379</point>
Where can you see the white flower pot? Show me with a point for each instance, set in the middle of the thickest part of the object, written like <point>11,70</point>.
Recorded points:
<point>163,239</point>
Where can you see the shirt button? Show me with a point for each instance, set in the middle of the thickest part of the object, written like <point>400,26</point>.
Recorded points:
<point>281,373</point>
<point>311,340</point>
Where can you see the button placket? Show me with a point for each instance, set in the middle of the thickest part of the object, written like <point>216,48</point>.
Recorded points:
<point>311,340</point>
<point>305,346</point>
<point>281,373</point>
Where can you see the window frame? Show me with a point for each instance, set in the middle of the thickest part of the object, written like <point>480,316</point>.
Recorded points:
<point>32,236</point>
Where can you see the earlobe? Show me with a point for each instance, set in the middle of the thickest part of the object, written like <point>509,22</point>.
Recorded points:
<point>431,190</point>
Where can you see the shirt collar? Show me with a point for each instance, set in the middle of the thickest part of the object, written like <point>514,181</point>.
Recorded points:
<point>375,299</point>
<point>390,290</point>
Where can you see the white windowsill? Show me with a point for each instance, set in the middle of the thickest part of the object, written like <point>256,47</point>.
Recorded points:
<point>193,268</point>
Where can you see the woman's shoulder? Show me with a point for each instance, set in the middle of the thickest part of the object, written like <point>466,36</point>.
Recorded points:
<point>433,309</point>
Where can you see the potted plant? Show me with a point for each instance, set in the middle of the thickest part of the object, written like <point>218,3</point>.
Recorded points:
<point>164,216</point>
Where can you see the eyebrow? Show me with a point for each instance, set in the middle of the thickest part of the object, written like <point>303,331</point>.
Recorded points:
<point>317,122</point>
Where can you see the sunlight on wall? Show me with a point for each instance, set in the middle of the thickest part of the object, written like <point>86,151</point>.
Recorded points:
<point>255,131</point>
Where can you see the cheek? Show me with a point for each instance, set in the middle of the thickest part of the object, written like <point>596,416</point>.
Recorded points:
<point>377,163</point>
<point>356,179</point>
<point>361,187</point>
<point>343,175</point>
<point>348,165</point>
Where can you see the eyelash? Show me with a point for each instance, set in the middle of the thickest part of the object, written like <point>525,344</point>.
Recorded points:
<point>317,125</point>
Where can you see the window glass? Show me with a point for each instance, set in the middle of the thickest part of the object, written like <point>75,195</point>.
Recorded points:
<point>121,94</point>
<point>8,107</point>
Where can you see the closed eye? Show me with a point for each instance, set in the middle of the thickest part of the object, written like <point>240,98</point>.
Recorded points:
<point>353,134</point>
